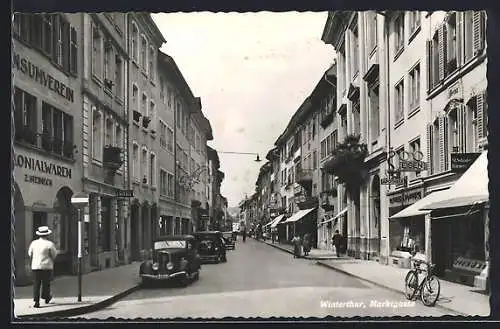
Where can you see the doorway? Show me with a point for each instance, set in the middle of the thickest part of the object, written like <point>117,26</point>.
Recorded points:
<point>134,231</point>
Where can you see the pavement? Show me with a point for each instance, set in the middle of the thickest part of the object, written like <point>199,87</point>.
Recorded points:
<point>259,281</point>
<point>314,254</point>
<point>455,297</point>
<point>99,289</point>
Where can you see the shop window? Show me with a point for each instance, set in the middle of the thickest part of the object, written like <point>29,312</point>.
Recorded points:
<point>25,117</point>
<point>399,34</point>
<point>57,131</point>
<point>97,132</point>
<point>374,120</point>
<point>96,53</point>
<point>414,88</point>
<point>399,102</point>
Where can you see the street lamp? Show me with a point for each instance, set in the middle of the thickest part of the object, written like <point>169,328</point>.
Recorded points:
<point>80,201</point>
<point>257,159</point>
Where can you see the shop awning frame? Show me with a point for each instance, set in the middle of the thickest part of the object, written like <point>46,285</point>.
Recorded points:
<point>415,209</point>
<point>299,215</point>
<point>276,221</point>
<point>341,213</point>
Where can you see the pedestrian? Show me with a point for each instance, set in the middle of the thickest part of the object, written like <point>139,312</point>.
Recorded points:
<point>43,253</point>
<point>273,236</point>
<point>296,241</point>
<point>337,241</point>
<point>307,244</point>
<point>244,234</point>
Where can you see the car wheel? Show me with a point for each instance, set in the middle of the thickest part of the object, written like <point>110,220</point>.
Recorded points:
<point>184,281</point>
<point>224,259</point>
<point>197,276</point>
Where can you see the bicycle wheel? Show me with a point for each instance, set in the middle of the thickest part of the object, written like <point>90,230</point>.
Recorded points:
<point>430,291</point>
<point>411,283</point>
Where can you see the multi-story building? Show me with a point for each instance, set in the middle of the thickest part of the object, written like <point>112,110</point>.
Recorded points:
<point>263,188</point>
<point>401,117</point>
<point>144,41</point>
<point>215,178</point>
<point>47,163</point>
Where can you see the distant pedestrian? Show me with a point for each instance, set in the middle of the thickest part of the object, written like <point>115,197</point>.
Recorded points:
<point>273,236</point>
<point>297,243</point>
<point>307,244</point>
<point>337,241</point>
<point>43,253</point>
<point>244,234</point>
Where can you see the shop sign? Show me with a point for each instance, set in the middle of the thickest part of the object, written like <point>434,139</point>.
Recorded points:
<point>454,90</point>
<point>125,193</point>
<point>460,162</point>
<point>392,181</point>
<point>42,77</point>
<point>406,197</point>
<point>42,166</point>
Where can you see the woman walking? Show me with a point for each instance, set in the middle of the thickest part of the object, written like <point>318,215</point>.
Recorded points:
<point>296,246</point>
<point>43,253</point>
<point>307,244</point>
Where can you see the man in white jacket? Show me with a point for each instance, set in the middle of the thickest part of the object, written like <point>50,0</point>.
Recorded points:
<point>43,253</point>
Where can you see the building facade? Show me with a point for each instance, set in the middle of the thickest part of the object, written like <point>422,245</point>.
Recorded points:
<point>47,164</point>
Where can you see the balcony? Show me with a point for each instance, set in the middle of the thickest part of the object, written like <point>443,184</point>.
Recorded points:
<point>327,199</point>
<point>195,203</point>
<point>112,157</point>
<point>297,189</point>
<point>146,121</point>
<point>307,203</point>
<point>304,176</point>
<point>327,119</point>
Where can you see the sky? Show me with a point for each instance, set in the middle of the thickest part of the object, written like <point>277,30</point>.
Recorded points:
<point>252,72</point>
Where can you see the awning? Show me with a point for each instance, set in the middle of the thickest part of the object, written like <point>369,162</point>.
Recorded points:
<point>275,221</point>
<point>298,215</point>
<point>414,209</point>
<point>336,216</point>
<point>471,188</point>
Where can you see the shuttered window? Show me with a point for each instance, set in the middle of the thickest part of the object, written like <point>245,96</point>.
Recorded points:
<point>443,143</point>
<point>430,148</point>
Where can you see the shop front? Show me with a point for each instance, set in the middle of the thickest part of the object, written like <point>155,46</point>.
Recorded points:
<point>43,187</point>
<point>459,230</point>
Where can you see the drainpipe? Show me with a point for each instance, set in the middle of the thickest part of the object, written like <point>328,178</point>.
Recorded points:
<point>127,102</point>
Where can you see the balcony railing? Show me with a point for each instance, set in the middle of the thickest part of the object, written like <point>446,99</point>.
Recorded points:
<point>112,157</point>
<point>327,119</point>
<point>307,202</point>
<point>45,141</point>
<point>304,176</point>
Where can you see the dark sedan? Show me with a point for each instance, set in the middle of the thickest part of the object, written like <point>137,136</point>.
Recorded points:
<point>211,246</point>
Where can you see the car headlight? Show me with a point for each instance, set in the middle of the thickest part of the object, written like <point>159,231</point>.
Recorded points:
<point>170,266</point>
<point>216,248</point>
<point>155,266</point>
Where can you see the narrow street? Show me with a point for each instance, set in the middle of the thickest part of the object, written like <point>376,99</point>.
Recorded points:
<point>261,281</point>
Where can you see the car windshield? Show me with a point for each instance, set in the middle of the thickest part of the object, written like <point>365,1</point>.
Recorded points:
<point>169,244</point>
<point>207,244</point>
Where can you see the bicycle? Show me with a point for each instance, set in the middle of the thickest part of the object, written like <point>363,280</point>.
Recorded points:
<point>425,288</point>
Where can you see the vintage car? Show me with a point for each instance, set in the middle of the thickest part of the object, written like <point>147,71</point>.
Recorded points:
<point>211,246</point>
<point>229,240</point>
<point>174,258</point>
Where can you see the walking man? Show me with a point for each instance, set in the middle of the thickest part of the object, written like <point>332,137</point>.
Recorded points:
<point>43,253</point>
<point>337,241</point>
<point>244,234</point>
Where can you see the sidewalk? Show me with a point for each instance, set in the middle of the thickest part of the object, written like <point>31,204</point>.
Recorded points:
<point>99,289</point>
<point>453,297</point>
<point>314,254</point>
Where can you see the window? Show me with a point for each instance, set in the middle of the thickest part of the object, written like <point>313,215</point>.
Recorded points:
<point>144,105</point>
<point>107,62</point>
<point>452,43</point>
<point>152,169</point>
<point>178,117</point>
<point>399,34</point>
<point>374,116</point>
<point>399,100</point>
<point>162,90</point>
<point>323,149</point>
<point>118,136</point>
<point>58,40</point>
<point>118,76</point>
<point>97,131</point>
<point>108,135</point>
<point>96,52</point>
<point>135,98</point>
<point>170,185</point>
<point>57,131</point>
<point>163,182</point>
<point>356,116</point>
<point>152,115</point>
<point>371,30</point>
<point>343,121</point>
<point>25,116</point>
<point>433,60</point>
<point>414,21</point>
<point>144,166</point>
<point>414,148</point>
<point>333,141</point>
<point>47,34</point>
<point>169,97</point>
<point>163,134</point>
<point>342,72</point>
<point>415,88</point>
<point>134,41</point>
<point>151,69</point>
<point>170,139</point>
<point>453,131</point>
<point>474,28</point>
<point>435,147</point>
<point>315,160</point>
<point>144,52</point>
<point>73,58</point>
<point>355,52</point>
<point>135,163</point>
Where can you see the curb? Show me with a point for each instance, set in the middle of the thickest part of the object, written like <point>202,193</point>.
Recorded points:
<point>383,286</point>
<point>79,310</point>
<point>291,252</point>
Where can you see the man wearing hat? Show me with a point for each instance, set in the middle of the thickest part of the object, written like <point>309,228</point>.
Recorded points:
<point>42,252</point>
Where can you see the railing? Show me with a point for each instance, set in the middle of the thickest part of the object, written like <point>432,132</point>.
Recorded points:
<point>112,157</point>
<point>45,141</point>
<point>304,175</point>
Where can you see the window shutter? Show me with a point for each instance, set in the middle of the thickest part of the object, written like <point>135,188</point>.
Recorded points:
<point>429,64</point>
<point>461,122</point>
<point>442,51</point>
<point>443,143</point>
<point>482,116</point>
<point>430,137</point>
<point>477,31</point>
<point>460,37</point>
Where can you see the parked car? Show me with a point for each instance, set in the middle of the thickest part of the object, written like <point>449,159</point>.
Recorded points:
<point>211,246</point>
<point>174,258</point>
<point>228,239</point>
